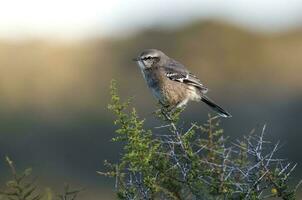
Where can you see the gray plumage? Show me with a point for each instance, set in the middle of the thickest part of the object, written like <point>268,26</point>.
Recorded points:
<point>171,83</point>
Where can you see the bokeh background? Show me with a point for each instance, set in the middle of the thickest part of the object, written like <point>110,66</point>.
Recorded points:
<point>57,59</point>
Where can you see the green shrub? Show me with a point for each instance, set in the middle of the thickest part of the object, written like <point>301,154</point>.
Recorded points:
<point>195,163</point>
<point>23,187</point>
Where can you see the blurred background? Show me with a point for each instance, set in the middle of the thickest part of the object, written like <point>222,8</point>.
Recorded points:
<point>57,59</point>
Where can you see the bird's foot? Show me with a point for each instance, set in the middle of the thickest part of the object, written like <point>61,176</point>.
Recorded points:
<point>167,115</point>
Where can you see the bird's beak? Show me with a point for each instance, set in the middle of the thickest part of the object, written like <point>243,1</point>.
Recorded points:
<point>136,59</point>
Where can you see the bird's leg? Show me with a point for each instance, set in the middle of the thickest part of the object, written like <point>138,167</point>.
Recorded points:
<point>165,111</point>
<point>174,111</point>
<point>158,111</point>
<point>166,114</point>
<point>169,112</point>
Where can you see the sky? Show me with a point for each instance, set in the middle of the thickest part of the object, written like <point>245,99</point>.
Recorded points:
<point>76,19</point>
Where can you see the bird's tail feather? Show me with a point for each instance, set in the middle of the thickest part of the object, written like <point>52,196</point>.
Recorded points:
<point>215,107</point>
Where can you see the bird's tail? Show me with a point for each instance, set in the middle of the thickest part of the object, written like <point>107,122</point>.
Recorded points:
<point>215,107</point>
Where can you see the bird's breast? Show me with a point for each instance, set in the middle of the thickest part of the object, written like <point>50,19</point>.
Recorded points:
<point>154,82</point>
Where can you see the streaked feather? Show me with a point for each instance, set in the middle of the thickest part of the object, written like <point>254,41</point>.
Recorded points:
<point>177,72</point>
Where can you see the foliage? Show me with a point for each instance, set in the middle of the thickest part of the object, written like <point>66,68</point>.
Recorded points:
<point>194,163</point>
<point>69,194</point>
<point>20,187</point>
<point>23,187</point>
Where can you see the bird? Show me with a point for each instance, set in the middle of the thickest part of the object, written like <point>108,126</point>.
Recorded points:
<point>171,83</point>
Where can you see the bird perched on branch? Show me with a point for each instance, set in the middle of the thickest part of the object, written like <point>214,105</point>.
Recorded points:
<point>171,83</point>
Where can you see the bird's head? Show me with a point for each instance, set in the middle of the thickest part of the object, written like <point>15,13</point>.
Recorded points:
<point>149,57</point>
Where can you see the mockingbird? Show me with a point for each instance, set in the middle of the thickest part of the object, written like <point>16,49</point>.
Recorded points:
<point>171,83</point>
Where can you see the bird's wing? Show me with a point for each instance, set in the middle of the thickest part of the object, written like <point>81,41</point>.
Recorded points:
<point>177,72</point>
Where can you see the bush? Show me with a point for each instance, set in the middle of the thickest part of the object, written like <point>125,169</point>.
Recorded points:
<point>23,187</point>
<point>196,163</point>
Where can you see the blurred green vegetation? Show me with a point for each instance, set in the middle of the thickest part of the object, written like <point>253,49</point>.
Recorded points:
<point>23,186</point>
<point>54,94</point>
